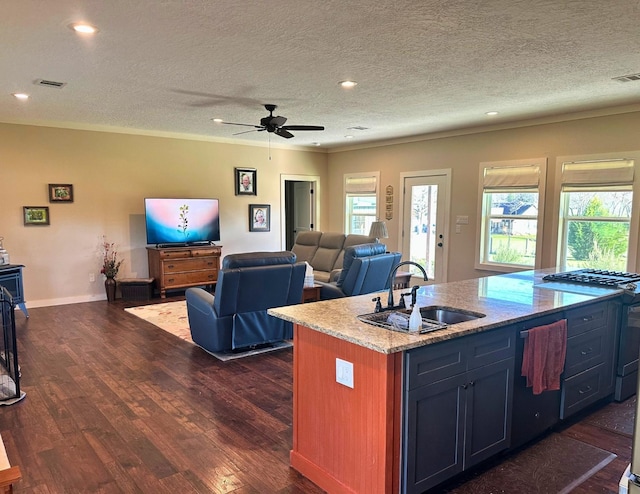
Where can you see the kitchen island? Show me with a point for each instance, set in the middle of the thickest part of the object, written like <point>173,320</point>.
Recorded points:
<point>371,404</point>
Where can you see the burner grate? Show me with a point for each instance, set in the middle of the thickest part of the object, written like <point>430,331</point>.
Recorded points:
<point>599,277</point>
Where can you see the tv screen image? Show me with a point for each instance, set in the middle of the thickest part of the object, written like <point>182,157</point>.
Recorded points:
<point>181,221</point>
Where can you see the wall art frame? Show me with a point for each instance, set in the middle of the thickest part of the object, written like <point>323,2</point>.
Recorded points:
<point>60,192</point>
<point>246,181</point>
<point>259,217</point>
<point>35,215</point>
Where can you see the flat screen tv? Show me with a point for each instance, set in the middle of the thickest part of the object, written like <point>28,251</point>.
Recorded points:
<point>181,221</point>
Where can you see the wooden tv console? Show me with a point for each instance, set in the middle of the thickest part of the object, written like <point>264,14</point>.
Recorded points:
<point>182,267</point>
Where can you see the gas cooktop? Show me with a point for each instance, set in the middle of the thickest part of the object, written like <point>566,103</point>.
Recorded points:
<point>600,277</point>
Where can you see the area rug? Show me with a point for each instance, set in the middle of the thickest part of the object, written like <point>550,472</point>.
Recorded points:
<point>172,318</point>
<point>616,417</point>
<point>555,465</point>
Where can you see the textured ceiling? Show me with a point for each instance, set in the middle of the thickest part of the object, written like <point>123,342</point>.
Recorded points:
<point>422,66</point>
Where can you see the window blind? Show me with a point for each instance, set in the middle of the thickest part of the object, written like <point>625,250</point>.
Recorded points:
<point>597,172</point>
<point>511,176</point>
<point>361,185</point>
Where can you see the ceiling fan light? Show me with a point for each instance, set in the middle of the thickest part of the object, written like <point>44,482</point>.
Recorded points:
<point>348,84</point>
<point>83,28</point>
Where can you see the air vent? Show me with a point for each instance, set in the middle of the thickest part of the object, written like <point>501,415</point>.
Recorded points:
<point>44,82</point>
<point>628,78</point>
<point>358,127</point>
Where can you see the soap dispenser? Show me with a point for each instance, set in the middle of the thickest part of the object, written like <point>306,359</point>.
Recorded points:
<point>415,321</point>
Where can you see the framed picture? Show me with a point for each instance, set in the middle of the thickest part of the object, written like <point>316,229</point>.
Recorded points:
<point>259,217</point>
<point>60,193</point>
<point>36,215</point>
<point>246,181</point>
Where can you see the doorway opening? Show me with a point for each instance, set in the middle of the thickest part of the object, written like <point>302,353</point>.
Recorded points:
<point>299,198</point>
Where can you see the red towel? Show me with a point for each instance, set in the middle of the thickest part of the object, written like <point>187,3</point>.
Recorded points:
<point>545,350</point>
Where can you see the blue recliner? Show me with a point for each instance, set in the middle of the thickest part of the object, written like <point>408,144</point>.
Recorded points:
<point>248,284</point>
<point>365,269</point>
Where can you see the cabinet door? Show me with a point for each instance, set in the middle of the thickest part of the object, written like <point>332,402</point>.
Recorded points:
<point>488,411</point>
<point>434,429</point>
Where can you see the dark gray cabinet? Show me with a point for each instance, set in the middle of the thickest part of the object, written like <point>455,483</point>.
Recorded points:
<point>457,406</point>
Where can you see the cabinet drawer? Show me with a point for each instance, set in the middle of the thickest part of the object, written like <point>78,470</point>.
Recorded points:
<point>206,252</point>
<point>582,390</point>
<point>181,265</point>
<point>586,350</point>
<point>174,254</point>
<point>433,363</point>
<point>586,318</point>
<point>491,346</point>
<point>190,278</point>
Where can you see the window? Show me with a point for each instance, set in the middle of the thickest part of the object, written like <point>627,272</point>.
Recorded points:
<point>361,191</point>
<point>595,214</point>
<point>511,209</point>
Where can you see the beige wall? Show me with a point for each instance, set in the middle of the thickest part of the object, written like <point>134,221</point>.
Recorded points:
<point>111,174</point>
<point>462,154</point>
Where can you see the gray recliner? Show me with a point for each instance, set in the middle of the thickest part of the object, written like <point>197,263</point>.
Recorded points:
<point>366,269</point>
<point>248,284</point>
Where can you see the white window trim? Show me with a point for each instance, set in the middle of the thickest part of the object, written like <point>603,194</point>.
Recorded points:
<point>634,228</point>
<point>480,234</point>
<point>346,176</point>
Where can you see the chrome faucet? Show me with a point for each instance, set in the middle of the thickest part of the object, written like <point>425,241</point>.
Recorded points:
<point>393,275</point>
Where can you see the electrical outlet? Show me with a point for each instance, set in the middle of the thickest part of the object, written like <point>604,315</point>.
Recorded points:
<point>458,229</point>
<point>92,278</point>
<point>344,372</point>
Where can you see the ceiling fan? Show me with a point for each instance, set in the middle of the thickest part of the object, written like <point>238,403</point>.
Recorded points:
<point>275,125</point>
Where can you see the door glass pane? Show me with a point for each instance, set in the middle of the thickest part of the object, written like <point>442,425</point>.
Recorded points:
<point>424,202</point>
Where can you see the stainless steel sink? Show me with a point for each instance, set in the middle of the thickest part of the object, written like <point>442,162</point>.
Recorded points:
<point>448,315</point>
<point>434,317</point>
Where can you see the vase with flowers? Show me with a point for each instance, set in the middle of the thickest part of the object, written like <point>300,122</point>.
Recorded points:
<point>110,266</point>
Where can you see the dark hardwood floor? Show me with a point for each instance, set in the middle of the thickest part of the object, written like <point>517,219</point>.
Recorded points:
<point>116,405</point>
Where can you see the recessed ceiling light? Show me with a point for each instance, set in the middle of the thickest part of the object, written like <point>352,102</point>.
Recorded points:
<point>348,137</point>
<point>21,96</point>
<point>83,28</point>
<point>315,143</point>
<point>217,120</point>
<point>491,113</point>
<point>348,84</point>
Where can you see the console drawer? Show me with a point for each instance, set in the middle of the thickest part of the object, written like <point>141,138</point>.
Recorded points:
<point>181,265</point>
<point>174,254</point>
<point>205,277</point>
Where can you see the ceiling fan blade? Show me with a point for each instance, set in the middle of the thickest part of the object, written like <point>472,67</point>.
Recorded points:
<point>303,127</point>
<point>283,133</point>
<point>278,121</point>
<point>246,132</point>
<point>244,125</point>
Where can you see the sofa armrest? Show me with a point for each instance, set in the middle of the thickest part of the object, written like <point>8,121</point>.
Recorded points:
<point>330,291</point>
<point>334,275</point>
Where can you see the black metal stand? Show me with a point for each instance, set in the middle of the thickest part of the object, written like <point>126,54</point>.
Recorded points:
<point>9,368</point>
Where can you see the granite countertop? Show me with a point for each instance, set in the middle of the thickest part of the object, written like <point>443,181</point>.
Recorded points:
<point>504,299</point>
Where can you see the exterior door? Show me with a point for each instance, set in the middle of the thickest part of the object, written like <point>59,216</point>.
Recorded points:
<point>425,204</point>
